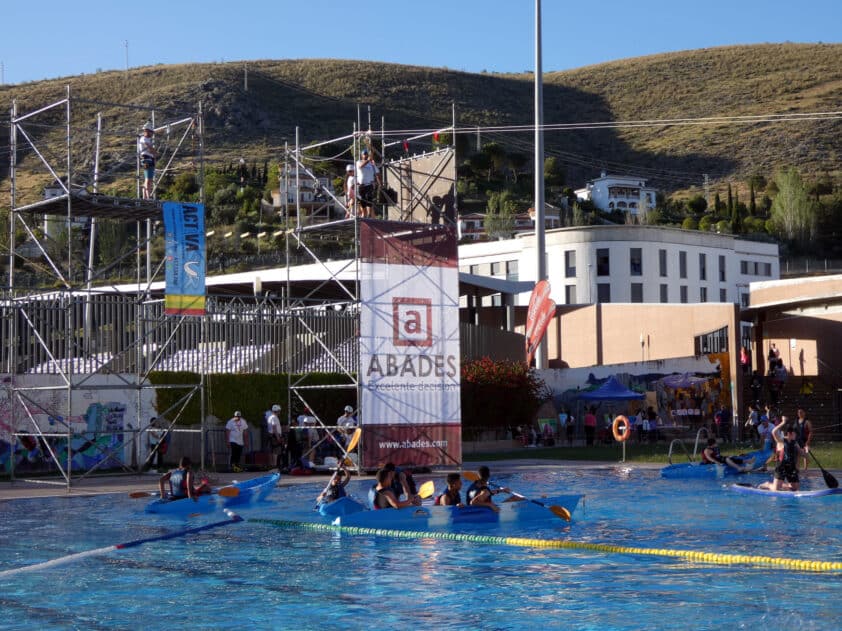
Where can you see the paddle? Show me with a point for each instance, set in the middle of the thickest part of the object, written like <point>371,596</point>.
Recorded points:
<point>558,511</point>
<point>831,481</point>
<point>225,491</point>
<point>355,439</point>
<point>427,489</point>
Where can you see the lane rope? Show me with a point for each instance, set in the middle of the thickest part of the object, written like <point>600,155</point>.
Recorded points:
<point>804,565</point>
<point>233,518</point>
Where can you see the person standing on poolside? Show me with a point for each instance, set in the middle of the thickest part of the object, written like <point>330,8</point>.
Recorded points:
<point>276,436</point>
<point>479,493</point>
<point>236,433</point>
<point>181,483</point>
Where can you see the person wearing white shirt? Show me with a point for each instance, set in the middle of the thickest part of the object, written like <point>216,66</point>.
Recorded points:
<point>148,154</point>
<point>368,175</point>
<point>276,436</point>
<point>236,433</point>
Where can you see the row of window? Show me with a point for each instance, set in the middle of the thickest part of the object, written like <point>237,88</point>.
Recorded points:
<point>603,264</point>
<point>507,269</point>
<point>603,293</point>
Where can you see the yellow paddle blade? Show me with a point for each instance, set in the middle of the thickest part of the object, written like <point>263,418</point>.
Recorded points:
<point>560,511</point>
<point>229,491</point>
<point>427,489</point>
<point>137,494</point>
<point>473,476</point>
<point>355,439</point>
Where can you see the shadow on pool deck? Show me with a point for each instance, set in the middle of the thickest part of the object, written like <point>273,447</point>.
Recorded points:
<point>56,487</point>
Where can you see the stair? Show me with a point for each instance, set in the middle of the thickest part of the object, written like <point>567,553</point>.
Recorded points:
<point>821,398</point>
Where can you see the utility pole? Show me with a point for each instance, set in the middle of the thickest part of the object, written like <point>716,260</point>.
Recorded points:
<point>2,74</point>
<point>245,78</point>
<point>126,46</point>
<point>540,241</point>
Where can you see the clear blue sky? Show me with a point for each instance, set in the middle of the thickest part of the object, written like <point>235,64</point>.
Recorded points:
<point>47,39</point>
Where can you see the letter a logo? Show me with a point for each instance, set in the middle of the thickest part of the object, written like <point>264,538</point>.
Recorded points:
<point>412,321</point>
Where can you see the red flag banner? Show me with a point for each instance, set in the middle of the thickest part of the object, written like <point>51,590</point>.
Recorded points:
<point>541,310</point>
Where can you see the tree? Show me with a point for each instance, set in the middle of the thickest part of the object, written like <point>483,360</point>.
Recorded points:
<point>689,224</point>
<point>752,204</point>
<point>697,204</point>
<point>730,207</point>
<point>500,218</point>
<point>794,215</point>
<point>554,174</point>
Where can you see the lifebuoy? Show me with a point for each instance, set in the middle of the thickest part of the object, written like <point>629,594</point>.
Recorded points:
<point>615,429</point>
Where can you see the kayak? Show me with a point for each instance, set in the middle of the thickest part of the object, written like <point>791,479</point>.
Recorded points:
<point>753,490</point>
<point>696,470</point>
<point>444,517</point>
<point>253,490</point>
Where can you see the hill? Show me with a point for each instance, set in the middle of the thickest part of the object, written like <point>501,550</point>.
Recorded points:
<point>321,98</point>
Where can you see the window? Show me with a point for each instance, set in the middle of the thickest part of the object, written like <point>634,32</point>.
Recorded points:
<point>636,262</point>
<point>662,262</point>
<point>497,300</point>
<point>603,292</point>
<point>497,268</point>
<point>722,269</point>
<point>570,264</point>
<point>703,266</point>
<point>744,300</point>
<point>683,293</point>
<point>603,260</point>
<point>637,292</point>
<point>474,269</point>
<point>682,264</point>
<point>511,270</point>
<point>703,294</point>
<point>570,294</point>
<point>665,296</point>
<point>723,295</point>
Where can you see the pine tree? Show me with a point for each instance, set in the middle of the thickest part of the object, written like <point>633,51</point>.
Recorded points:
<point>752,202</point>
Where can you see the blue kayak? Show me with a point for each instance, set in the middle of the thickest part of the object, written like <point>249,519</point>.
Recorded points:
<point>753,490</point>
<point>444,517</point>
<point>696,470</point>
<point>252,490</point>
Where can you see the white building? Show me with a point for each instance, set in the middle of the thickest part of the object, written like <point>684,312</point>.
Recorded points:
<point>627,264</point>
<point>472,225</point>
<point>618,192</point>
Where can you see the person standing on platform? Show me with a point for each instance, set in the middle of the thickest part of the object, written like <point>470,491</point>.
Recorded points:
<point>236,433</point>
<point>368,179</point>
<point>148,154</point>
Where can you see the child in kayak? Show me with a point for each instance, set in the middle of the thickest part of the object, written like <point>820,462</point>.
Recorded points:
<point>181,482</point>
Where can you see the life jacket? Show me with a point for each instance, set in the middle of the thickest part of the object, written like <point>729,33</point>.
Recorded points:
<point>717,457</point>
<point>178,480</point>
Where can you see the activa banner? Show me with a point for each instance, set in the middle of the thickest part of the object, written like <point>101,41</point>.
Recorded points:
<point>409,344</point>
<point>185,258</point>
<point>541,310</point>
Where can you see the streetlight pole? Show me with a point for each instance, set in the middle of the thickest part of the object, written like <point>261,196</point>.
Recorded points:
<point>540,244</point>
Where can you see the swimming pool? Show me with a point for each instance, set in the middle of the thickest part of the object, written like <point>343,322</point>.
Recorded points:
<point>270,577</point>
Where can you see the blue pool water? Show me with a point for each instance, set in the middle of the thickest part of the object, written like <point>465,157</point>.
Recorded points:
<point>263,576</point>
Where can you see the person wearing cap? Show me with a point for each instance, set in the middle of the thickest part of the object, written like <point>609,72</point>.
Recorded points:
<point>181,483</point>
<point>368,178</point>
<point>276,436</point>
<point>236,433</point>
<point>350,192</point>
<point>347,422</point>
<point>148,154</point>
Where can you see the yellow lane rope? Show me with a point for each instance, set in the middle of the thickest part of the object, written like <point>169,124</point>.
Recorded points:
<point>804,565</point>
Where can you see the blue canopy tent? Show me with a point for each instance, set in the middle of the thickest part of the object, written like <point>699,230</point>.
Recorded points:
<point>612,390</point>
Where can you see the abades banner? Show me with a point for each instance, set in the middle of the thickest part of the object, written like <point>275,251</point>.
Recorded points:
<point>410,410</point>
<point>185,258</point>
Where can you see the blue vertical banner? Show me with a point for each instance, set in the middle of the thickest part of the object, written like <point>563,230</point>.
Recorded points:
<point>185,258</point>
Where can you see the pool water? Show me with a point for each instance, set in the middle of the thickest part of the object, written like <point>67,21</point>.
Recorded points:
<point>264,576</point>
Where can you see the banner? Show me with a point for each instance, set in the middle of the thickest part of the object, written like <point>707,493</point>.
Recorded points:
<point>185,258</point>
<point>409,344</point>
<point>541,310</point>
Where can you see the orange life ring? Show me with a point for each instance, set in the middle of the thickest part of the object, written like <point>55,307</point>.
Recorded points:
<point>615,429</point>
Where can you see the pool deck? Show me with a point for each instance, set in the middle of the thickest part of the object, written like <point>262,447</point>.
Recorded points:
<point>127,483</point>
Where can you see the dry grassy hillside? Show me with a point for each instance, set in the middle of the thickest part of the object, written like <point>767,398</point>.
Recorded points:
<point>321,98</point>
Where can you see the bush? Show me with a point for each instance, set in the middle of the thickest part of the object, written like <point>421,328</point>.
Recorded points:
<point>498,394</point>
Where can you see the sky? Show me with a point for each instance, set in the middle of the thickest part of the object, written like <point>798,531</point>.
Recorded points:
<point>48,39</point>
